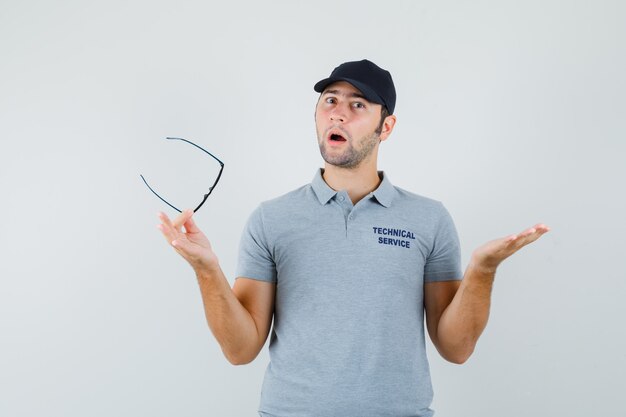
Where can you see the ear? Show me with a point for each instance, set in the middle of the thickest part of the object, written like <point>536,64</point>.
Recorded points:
<point>388,124</point>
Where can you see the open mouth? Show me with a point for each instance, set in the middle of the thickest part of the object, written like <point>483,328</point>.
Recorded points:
<point>334,137</point>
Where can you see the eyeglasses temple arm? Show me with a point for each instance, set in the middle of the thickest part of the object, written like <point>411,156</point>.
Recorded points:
<point>199,147</point>
<point>155,193</point>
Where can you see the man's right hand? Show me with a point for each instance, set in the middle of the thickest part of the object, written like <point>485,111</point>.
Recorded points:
<point>191,243</point>
<point>240,318</point>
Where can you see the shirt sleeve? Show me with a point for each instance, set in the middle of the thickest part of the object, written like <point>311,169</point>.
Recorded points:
<point>444,261</point>
<point>255,253</point>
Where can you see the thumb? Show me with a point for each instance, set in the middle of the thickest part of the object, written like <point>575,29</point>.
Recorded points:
<point>190,226</point>
<point>185,249</point>
<point>190,252</point>
<point>182,218</point>
<point>179,244</point>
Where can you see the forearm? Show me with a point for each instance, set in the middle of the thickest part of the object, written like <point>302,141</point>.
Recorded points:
<point>231,324</point>
<point>455,322</point>
<point>463,321</point>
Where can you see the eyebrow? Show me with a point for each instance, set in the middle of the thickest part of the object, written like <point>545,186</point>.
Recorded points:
<point>338,93</point>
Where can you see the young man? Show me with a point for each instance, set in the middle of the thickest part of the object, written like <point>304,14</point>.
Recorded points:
<point>346,267</point>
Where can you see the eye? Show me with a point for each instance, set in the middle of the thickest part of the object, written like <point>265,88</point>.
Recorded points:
<point>330,100</point>
<point>358,105</point>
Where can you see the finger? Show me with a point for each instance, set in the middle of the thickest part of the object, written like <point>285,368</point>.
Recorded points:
<point>165,220</point>
<point>527,232</point>
<point>182,219</point>
<point>510,238</point>
<point>539,229</point>
<point>181,246</point>
<point>530,235</point>
<point>536,231</point>
<point>169,231</point>
<point>190,226</point>
<point>186,249</point>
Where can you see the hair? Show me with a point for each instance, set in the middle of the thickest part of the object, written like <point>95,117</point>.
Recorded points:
<point>383,115</point>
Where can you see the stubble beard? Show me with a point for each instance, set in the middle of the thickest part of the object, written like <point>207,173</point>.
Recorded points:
<point>350,157</point>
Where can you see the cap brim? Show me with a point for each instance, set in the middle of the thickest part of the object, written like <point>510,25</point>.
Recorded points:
<point>367,92</point>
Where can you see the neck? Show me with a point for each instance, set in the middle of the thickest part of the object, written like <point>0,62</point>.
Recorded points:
<point>358,181</point>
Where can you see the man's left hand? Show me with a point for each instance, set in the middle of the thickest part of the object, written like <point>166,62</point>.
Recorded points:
<point>487,257</point>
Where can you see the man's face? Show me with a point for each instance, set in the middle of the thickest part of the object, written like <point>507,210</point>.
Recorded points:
<point>346,125</point>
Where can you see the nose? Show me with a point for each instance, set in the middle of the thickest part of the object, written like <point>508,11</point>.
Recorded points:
<point>338,115</point>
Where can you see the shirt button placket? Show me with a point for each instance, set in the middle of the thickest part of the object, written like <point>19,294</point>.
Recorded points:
<point>347,207</point>
<point>350,221</point>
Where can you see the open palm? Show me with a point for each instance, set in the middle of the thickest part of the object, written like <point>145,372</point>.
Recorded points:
<point>191,243</point>
<point>488,256</point>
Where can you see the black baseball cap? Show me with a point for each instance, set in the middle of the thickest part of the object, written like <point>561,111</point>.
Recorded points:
<point>374,82</point>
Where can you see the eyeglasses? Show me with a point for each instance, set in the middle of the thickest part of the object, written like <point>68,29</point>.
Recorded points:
<point>211,188</point>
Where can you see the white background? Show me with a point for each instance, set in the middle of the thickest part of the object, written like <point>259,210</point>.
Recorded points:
<point>510,112</point>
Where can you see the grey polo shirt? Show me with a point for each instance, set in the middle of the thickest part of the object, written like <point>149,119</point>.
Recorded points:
<point>348,334</point>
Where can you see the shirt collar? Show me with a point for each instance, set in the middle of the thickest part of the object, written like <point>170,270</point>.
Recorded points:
<point>384,193</point>
<point>323,192</point>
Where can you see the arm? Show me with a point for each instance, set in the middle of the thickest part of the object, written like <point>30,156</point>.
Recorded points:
<point>457,312</point>
<point>240,319</point>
